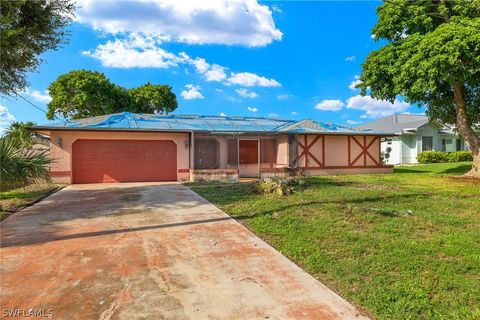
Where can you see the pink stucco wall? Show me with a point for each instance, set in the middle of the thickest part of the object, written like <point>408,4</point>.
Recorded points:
<point>61,154</point>
<point>337,154</point>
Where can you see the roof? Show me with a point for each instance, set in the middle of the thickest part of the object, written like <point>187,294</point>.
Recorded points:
<point>396,123</point>
<point>187,123</point>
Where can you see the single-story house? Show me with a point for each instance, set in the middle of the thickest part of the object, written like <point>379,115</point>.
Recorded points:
<point>127,147</point>
<point>414,134</point>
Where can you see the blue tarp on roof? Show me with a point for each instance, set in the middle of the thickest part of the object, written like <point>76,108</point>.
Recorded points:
<point>197,123</point>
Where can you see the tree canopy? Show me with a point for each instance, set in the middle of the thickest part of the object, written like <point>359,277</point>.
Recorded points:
<point>84,93</point>
<point>431,58</point>
<point>28,29</point>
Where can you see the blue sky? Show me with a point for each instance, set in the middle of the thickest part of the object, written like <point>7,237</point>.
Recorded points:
<point>270,59</point>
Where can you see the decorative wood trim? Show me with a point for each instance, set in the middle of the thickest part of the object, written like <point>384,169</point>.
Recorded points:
<point>214,171</point>
<point>306,150</point>
<point>183,170</point>
<point>59,173</point>
<point>363,152</point>
<point>274,169</point>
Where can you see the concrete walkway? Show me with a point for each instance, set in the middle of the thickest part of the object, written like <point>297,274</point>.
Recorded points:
<point>150,251</point>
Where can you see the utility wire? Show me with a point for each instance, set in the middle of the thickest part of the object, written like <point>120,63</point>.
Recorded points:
<point>31,103</point>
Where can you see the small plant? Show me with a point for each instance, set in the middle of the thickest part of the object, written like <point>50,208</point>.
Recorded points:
<point>277,185</point>
<point>385,155</point>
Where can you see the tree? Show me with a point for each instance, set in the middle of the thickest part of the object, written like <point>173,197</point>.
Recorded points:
<point>84,93</point>
<point>432,58</point>
<point>28,29</point>
<point>151,98</point>
<point>19,132</point>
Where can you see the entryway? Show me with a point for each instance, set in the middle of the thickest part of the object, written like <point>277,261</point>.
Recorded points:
<point>249,158</point>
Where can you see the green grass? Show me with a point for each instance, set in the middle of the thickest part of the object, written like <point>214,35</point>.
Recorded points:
<point>13,200</point>
<point>355,234</point>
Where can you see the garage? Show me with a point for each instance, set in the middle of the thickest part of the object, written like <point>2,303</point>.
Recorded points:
<point>103,161</point>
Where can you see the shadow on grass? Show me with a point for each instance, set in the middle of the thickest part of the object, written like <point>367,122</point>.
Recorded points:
<point>385,213</point>
<point>460,169</point>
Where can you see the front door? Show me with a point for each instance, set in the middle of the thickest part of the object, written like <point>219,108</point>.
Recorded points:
<point>248,158</point>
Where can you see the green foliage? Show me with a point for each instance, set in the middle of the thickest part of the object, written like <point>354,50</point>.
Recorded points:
<point>21,166</point>
<point>28,29</point>
<point>84,93</point>
<point>151,98</point>
<point>431,45</point>
<point>438,156</point>
<point>18,131</point>
<point>347,232</point>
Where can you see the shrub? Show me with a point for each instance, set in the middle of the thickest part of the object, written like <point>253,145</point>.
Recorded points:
<point>21,166</point>
<point>432,157</point>
<point>437,156</point>
<point>458,156</point>
<point>277,185</point>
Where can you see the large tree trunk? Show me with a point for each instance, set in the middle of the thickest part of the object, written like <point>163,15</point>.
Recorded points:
<point>465,129</point>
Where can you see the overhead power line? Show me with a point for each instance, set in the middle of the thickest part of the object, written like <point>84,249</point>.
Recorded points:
<point>31,103</point>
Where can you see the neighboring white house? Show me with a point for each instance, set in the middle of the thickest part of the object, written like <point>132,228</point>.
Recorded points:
<point>415,134</point>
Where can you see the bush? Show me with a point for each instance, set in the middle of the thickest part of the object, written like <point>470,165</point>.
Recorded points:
<point>277,185</point>
<point>458,156</point>
<point>437,156</point>
<point>21,166</point>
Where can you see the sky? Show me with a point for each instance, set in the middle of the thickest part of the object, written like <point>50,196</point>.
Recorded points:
<point>287,59</point>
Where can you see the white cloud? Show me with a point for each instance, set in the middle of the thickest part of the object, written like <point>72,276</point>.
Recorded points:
<point>283,96</point>
<point>5,119</point>
<point>192,93</point>
<point>215,73</point>
<point>246,93</point>
<point>140,51</point>
<point>353,122</point>
<point>134,52</point>
<point>248,79</point>
<point>350,59</point>
<point>240,22</point>
<point>294,113</point>
<point>352,84</point>
<point>252,109</point>
<point>233,99</point>
<point>330,105</point>
<point>39,96</point>
<point>273,115</point>
<point>223,114</point>
<point>372,36</point>
<point>376,108</point>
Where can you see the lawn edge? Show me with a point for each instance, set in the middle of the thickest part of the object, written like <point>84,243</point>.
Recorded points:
<point>31,203</point>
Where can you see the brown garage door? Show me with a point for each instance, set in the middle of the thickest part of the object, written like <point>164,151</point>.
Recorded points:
<point>95,161</point>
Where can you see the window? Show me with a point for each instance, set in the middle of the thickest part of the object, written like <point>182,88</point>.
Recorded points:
<point>268,151</point>
<point>207,155</point>
<point>427,143</point>
<point>444,145</point>
<point>459,145</point>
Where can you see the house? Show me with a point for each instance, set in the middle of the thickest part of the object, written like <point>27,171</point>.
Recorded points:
<point>128,147</point>
<point>415,134</point>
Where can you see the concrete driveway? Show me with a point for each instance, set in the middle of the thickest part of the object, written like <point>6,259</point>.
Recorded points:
<point>149,251</point>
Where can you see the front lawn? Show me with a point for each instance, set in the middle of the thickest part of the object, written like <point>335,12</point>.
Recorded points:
<point>13,200</point>
<point>400,246</point>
